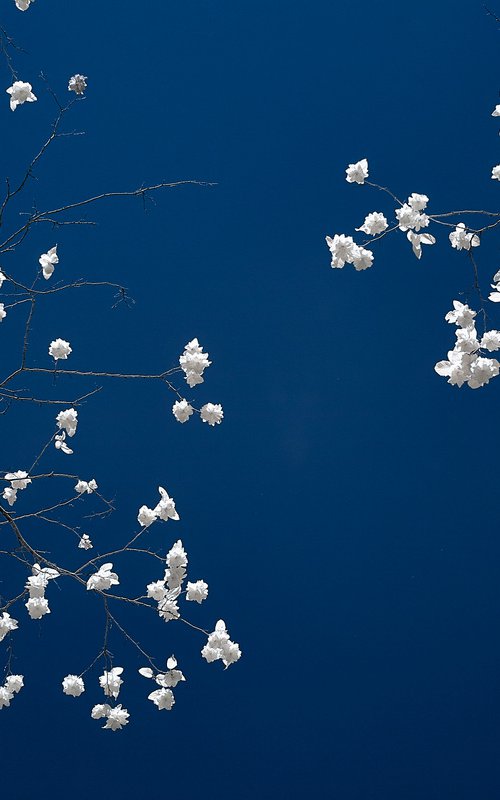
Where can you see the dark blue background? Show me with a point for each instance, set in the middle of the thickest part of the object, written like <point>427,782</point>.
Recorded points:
<point>345,512</point>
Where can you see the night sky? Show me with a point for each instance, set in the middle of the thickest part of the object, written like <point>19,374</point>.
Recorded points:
<point>344,514</point>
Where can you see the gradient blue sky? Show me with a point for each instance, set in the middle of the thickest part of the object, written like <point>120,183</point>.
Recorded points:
<point>344,514</point>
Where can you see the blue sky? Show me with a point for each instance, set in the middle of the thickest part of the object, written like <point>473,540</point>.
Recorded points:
<point>344,513</point>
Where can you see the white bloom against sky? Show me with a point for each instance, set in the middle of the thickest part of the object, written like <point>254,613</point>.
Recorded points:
<point>194,361</point>
<point>48,261</point>
<point>20,92</point>
<point>77,84</point>
<point>358,172</point>
<point>59,349</point>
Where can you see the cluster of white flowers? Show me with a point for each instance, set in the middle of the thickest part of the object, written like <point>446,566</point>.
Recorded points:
<point>3,312</point>
<point>13,684</point>
<point>166,591</point>
<point>68,420</point>
<point>103,579</point>
<point>77,84</point>
<point>86,487</point>
<point>461,239</point>
<point>163,698</point>
<point>59,349</point>
<point>465,364</point>
<point>193,362</point>
<point>164,510</point>
<point>23,5</point>
<point>220,646</point>
<point>36,584</point>
<point>116,717</point>
<point>344,250</point>
<point>358,172</point>
<point>495,295</point>
<point>182,410</point>
<point>212,413</point>
<point>48,261</point>
<point>85,542</point>
<point>18,480</point>
<point>20,92</point>
<point>73,685</point>
<point>7,624</point>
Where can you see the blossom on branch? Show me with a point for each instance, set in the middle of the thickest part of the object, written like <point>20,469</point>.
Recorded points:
<point>495,173</point>
<point>59,349</point>
<point>193,362</point>
<point>77,84</point>
<point>103,579</point>
<point>48,261</point>
<point>374,223</point>
<point>85,543</point>
<point>220,646</point>
<point>23,5</point>
<point>197,591</point>
<point>358,172</point>
<point>73,685</point>
<point>3,312</point>
<point>20,92</point>
<point>212,413</point>
<point>67,420</point>
<point>7,624</point>
<point>461,240</point>
<point>110,681</point>
<point>60,443</point>
<point>18,479</point>
<point>82,487</point>
<point>182,410</point>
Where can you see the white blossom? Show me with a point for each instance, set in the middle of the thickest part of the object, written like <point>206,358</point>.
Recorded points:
<point>461,240</point>
<point>219,646</point>
<point>85,542</point>
<point>162,698</point>
<point>117,718</point>
<point>20,92</point>
<point>182,410</point>
<point>212,413</point>
<point>418,239</point>
<point>358,172</point>
<point>14,683</point>
<point>467,341</point>
<point>18,479</point>
<point>193,362</point>
<point>10,495</point>
<point>59,349</point>
<point>67,420</point>
<point>342,249</point>
<point>495,173</point>
<point>7,624</point>
<point>418,201</point>
<point>48,261</point>
<point>168,609</point>
<point>462,315</point>
<point>60,443</point>
<point>23,5</point>
<point>73,685</point>
<point>491,341</point>
<point>77,84</point>
<point>362,258</point>
<point>146,516</point>
<point>103,579</point>
<point>156,590</point>
<point>3,312</point>
<point>197,591</point>
<point>100,710</point>
<point>5,696</point>
<point>374,223</point>
<point>83,486</point>
<point>165,509</point>
<point>408,218</point>
<point>36,584</point>
<point>2,279</point>
<point>110,681</point>
<point>37,607</point>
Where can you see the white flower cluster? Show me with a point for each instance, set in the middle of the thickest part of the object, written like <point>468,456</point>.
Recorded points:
<point>220,646</point>
<point>18,480</point>
<point>103,579</point>
<point>86,487</point>
<point>20,92</point>
<point>59,349</point>
<point>164,510</point>
<point>163,698</point>
<point>461,239</point>
<point>48,261</point>
<point>210,412</point>
<point>3,312</point>
<point>465,364</point>
<point>166,591</point>
<point>23,5</point>
<point>77,84</point>
<point>13,684</point>
<point>495,295</point>
<point>85,542</point>
<point>193,362</point>
<point>66,422</point>
<point>36,584</point>
<point>344,250</point>
<point>73,685</point>
<point>7,624</point>
<point>110,681</point>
